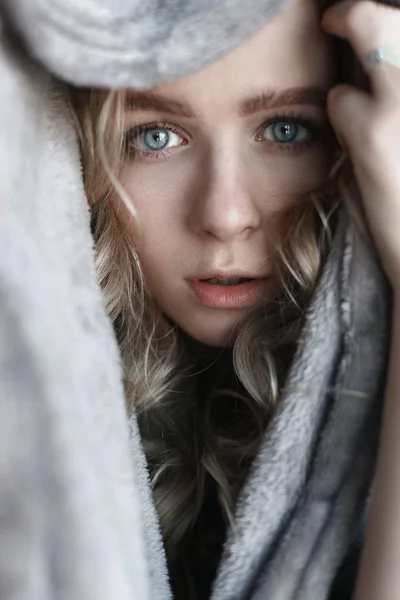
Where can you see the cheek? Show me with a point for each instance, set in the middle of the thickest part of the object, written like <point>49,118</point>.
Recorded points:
<point>156,199</point>
<point>153,197</point>
<point>157,193</point>
<point>302,173</point>
<point>283,180</point>
<point>150,239</point>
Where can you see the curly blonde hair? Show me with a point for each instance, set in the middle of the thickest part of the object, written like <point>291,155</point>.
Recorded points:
<point>199,441</point>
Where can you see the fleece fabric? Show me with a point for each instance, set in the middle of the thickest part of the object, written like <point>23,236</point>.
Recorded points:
<point>77,520</point>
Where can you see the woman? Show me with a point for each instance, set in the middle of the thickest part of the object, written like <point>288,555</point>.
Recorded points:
<point>251,313</point>
<point>213,207</point>
<point>220,167</point>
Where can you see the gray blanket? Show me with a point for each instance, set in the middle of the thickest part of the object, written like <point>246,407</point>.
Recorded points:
<point>76,516</point>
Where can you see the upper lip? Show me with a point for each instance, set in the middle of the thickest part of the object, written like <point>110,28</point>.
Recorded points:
<point>227,275</point>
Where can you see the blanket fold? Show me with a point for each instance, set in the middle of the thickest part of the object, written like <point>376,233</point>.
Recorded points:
<point>130,43</point>
<point>311,478</point>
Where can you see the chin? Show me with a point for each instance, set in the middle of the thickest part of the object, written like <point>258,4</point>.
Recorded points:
<point>214,337</point>
<point>214,341</point>
<point>210,327</point>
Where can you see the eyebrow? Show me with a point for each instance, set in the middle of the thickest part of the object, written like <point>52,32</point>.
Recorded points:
<point>151,101</point>
<point>311,95</point>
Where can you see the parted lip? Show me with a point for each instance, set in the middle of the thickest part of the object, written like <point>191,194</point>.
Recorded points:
<point>226,275</point>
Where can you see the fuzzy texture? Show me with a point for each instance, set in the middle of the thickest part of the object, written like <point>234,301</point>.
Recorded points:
<point>133,43</point>
<point>78,521</point>
<point>311,477</point>
<point>72,524</point>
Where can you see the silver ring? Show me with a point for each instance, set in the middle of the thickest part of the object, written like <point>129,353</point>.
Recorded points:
<point>383,54</point>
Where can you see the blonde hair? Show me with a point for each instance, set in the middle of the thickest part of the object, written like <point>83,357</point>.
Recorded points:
<point>188,447</point>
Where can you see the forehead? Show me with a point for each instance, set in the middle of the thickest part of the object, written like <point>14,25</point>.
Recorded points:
<point>290,51</point>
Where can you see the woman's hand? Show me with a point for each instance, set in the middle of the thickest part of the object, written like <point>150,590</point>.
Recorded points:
<point>368,124</point>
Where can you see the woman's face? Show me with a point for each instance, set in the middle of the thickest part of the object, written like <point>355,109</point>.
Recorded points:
<point>216,159</point>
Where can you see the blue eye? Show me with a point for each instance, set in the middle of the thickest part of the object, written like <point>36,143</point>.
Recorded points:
<point>154,139</point>
<point>285,132</point>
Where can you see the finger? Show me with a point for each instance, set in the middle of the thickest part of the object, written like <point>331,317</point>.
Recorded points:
<point>368,25</point>
<point>350,112</point>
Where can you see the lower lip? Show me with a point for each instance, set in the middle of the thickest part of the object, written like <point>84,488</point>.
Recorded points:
<point>228,296</point>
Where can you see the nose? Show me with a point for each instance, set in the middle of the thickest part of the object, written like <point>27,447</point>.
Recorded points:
<point>222,204</point>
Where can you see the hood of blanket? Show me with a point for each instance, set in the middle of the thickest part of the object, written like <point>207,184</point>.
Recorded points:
<point>133,43</point>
